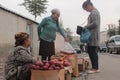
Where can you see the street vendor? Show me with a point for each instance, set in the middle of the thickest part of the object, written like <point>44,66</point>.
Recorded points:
<point>18,62</point>
<point>47,33</point>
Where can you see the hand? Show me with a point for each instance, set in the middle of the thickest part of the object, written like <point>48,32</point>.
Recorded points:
<point>36,58</point>
<point>66,39</point>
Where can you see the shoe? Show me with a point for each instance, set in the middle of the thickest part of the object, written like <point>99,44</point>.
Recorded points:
<point>93,71</point>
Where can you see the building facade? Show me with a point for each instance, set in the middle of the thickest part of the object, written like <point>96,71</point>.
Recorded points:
<point>103,36</point>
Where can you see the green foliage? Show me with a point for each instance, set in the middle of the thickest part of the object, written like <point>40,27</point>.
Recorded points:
<point>35,7</point>
<point>114,31</point>
<point>118,28</point>
<point>111,32</point>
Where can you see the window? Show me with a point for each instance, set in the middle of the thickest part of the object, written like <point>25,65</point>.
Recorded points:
<point>117,38</point>
<point>28,29</point>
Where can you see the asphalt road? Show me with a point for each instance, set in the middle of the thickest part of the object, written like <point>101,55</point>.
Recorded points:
<point>109,67</point>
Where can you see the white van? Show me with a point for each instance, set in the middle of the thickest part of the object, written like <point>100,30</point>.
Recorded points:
<point>113,44</point>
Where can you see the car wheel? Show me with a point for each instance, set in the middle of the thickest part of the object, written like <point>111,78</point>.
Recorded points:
<point>110,51</point>
<point>116,51</point>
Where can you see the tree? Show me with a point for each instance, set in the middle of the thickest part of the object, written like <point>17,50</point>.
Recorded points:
<point>69,34</point>
<point>118,28</point>
<point>111,32</point>
<point>35,7</point>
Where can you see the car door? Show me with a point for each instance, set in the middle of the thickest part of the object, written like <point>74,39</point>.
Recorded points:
<point>111,45</point>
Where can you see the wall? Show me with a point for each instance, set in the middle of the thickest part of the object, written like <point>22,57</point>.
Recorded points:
<point>10,24</point>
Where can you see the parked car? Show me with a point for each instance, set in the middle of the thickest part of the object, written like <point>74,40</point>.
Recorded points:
<point>102,47</point>
<point>77,48</point>
<point>113,44</point>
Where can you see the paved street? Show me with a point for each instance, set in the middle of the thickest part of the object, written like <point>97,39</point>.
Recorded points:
<point>109,66</point>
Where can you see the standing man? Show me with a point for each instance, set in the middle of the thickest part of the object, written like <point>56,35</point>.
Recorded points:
<point>94,27</point>
<point>47,34</point>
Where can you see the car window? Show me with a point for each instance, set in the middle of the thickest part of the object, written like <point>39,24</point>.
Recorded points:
<point>117,38</point>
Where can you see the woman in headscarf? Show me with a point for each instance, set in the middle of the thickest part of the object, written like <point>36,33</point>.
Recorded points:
<point>18,63</point>
<point>47,33</point>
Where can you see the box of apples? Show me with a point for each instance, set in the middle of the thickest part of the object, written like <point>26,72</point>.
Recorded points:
<point>49,70</point>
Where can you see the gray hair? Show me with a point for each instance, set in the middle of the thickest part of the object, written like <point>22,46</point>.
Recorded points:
<point>55,11</point>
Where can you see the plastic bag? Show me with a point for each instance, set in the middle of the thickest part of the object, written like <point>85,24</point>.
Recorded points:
<point>67,48</point>
<point>85,36</point>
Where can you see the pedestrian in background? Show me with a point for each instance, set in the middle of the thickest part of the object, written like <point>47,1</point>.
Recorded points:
<point>47,33</point>
<point>19,61</point>
<point>94,27</point>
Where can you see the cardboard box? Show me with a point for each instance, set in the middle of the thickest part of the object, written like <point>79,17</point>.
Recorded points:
<point>68,73</point>
<point>71,58</point>
<point>68,76</point>
<point>48,74</point>
<point>83,64</point>
<point>74,63</point>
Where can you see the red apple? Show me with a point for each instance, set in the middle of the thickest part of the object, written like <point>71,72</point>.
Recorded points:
<point>60,59</point>
<point>51,68</point>
<point>47,64</point>
<point>37,67</point>
<point>39,63</point>
<point>45,67</point>
<point>62,67</point>
<point>57,68</point>
<point>66,64</point>
<point>33,66</point>
<point>51,62</point>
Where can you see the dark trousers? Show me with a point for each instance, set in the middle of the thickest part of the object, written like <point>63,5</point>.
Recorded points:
<point>93,54</point>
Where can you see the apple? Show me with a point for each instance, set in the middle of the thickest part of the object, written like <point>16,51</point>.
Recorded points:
<point>66,64</point>
<point>39,64</point>
<point>52,62</point>
<point>45,67</point>
<point>51,68</point>
<point>33,66</point>
<point>37,67</point>
<point>47,64</point>
<point>57,68</point>
<point>60,59</point>
<point>57,63</point>
<point>62,67</point>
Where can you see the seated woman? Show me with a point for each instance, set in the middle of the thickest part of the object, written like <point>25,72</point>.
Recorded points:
<point>17,66</point>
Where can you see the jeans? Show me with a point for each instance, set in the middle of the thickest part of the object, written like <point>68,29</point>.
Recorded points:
<point>93,54</point>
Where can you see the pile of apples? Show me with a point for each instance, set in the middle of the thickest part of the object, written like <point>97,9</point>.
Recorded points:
<point>55,64</point>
